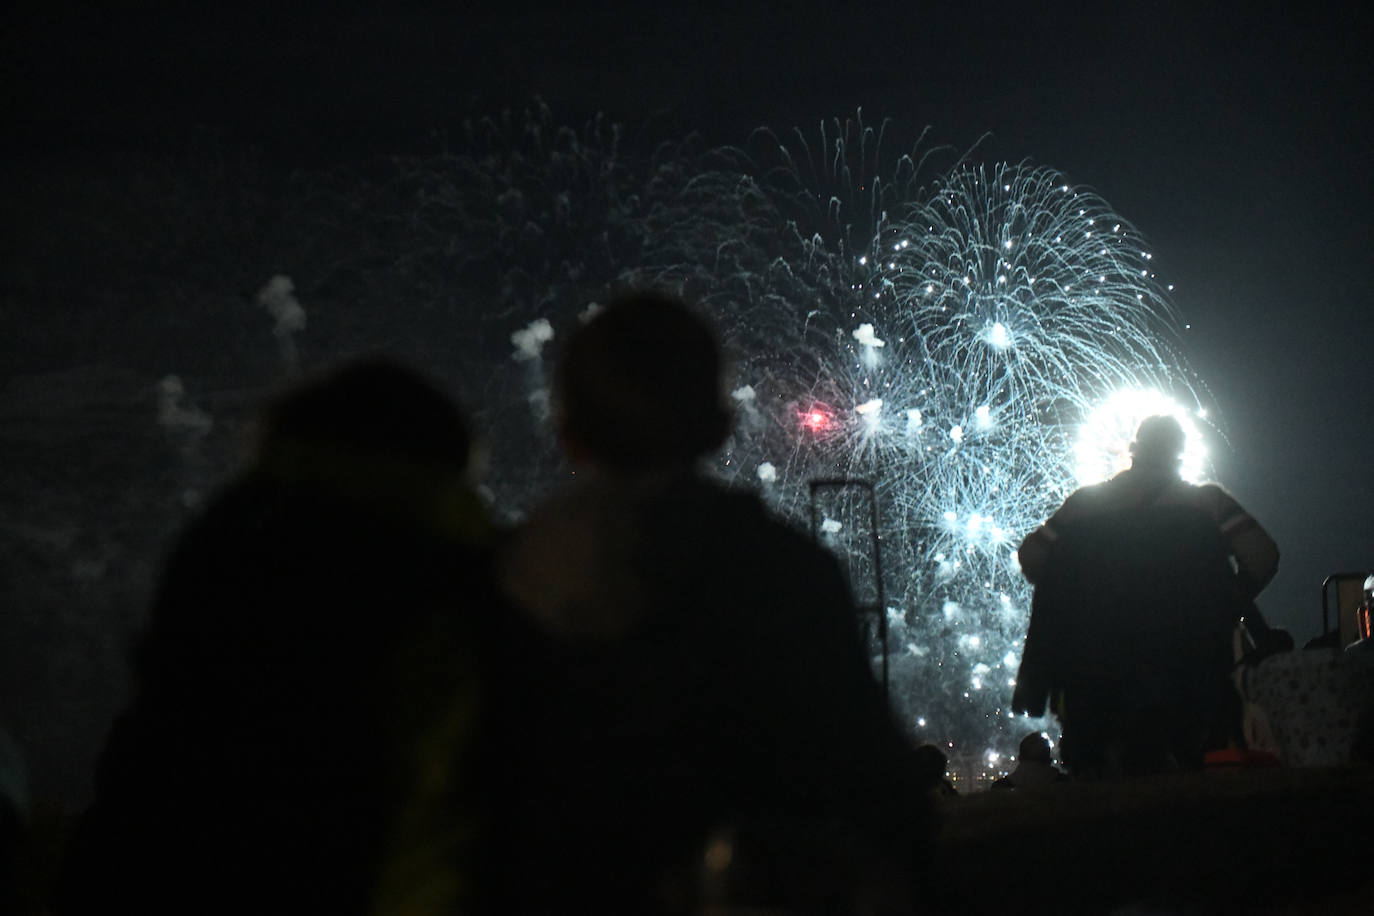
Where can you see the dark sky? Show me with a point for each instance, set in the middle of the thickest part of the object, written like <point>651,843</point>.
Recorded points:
<point>1237,137</point>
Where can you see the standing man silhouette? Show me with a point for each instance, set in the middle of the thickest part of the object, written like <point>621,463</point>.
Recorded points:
<point>1139,583</point>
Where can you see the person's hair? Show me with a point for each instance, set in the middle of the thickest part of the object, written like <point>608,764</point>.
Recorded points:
<point>371,406</point>
<point>930,763</point>
<point>638,386</point>
<point>1035,747</point>
<point>1158,441</point>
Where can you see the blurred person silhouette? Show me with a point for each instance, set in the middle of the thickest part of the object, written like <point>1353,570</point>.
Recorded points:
<point>306,687</point>
<point>690,668</point>
<point>931,764</point>
<point>1140,582</point>
<point>1034,766</point>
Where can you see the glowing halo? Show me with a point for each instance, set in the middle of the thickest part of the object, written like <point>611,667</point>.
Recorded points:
<point>1104,439</point>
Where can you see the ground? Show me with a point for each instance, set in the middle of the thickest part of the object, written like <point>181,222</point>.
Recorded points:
<point>1227,841</point>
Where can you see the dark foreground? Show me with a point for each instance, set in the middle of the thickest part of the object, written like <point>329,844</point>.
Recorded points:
<point>1277,841</point>
<point>1240,841</point>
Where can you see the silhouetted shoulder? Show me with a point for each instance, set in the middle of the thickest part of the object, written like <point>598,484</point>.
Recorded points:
<point>1088,500</point>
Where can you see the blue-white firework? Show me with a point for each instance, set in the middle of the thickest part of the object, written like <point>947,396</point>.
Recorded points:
<point>958,335</point>
<point>947,346</point>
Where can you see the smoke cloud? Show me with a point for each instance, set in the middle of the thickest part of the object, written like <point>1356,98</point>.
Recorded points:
<point>278,297</point>
<point>529,341</point>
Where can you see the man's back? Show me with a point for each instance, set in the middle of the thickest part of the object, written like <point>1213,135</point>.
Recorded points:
<point>1131,623</point>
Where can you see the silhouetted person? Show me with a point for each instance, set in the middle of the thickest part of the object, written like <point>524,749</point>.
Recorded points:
<point>931,763</point>
<point>1034,766</point>
<point>689,666</point>
<point>1140,582</point>
<point>306,678</point>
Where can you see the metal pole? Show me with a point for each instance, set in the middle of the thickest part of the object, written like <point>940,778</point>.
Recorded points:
<point>880,609</point>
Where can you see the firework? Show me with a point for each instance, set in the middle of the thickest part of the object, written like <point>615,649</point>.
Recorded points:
<point>970,347</point>
<point>964,338</point>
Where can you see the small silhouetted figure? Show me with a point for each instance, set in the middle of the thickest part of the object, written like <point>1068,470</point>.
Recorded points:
<point>930,771</point>
<point>306,683</point>
<point>685,667</point>
<point>1139,584</point>
<point>1034,766</point>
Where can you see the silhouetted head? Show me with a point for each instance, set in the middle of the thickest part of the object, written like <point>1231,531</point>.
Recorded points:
<point>371,407</point>
<point>1035,748</point>
<point>638,386</point>
<point>1158,442</point>
<point>930,764</point>
<point>380,436</point>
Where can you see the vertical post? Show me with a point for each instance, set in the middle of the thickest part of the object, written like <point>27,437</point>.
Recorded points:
<point>875,544</point>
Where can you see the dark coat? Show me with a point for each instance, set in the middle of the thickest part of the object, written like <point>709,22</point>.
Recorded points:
<point>689,663</point>
<point>1130,631</point>
<point>299,650</point>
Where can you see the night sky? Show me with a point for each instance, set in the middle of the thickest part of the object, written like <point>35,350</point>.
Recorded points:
<point>1237,137</point>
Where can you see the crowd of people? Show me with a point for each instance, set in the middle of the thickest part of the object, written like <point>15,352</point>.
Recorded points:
<point>357,695</point>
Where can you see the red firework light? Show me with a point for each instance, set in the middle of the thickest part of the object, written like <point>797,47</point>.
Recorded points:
<point>817,419</point>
